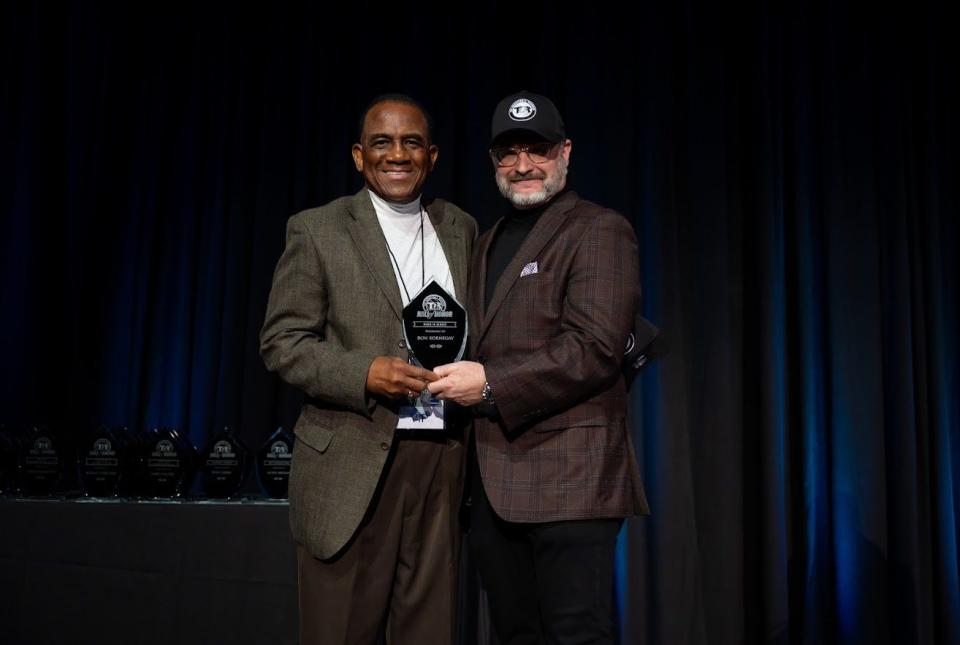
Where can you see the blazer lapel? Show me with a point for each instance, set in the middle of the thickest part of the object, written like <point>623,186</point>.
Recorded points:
<point>368,236</point>
<point>543,231</point>
<point>453,244</point>
<point>478,269</point>
<point>479,277</point>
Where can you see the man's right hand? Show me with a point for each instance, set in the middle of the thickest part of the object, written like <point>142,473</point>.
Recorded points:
<point>394,377</point>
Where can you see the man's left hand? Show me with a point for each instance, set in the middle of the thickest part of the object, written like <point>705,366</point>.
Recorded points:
<point>462,382</point>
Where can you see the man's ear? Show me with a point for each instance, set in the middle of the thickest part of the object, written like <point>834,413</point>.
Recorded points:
<point>357,152</point>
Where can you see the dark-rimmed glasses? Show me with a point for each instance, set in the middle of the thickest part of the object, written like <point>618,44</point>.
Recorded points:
<point>539,152</point>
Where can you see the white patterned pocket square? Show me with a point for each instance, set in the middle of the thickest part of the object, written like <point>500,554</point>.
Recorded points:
<point>529,269</point>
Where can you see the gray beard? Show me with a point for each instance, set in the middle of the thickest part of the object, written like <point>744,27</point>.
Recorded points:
<point>551,186</point>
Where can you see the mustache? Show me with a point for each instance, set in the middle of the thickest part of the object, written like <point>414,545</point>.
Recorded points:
<point>529,175</point>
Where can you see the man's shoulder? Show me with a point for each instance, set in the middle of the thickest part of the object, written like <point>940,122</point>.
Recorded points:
<point>592,214</point>
<point>586,208</point>
<point>446,211</point>
<point>331,213</point>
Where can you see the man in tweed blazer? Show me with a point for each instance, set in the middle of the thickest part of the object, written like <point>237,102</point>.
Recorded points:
<point>553,293</point>
<point>373,508</point>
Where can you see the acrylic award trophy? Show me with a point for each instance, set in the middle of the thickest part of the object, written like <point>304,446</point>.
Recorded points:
<point>435,330</point>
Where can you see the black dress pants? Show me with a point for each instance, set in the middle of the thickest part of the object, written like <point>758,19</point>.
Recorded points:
<point>546,583</point>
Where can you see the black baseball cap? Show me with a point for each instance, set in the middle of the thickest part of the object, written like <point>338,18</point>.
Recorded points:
<point>527,112</point>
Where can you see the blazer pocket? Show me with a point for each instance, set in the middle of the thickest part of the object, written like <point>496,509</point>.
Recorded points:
<point>316,437</point>
<point>535,278</point>
<point>554,424</point>
<point>579,416</point>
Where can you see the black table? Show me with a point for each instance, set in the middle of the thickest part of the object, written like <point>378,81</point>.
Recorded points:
<point>125,571</point>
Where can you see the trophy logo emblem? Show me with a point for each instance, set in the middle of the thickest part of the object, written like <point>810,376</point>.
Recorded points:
<point>432,305</point>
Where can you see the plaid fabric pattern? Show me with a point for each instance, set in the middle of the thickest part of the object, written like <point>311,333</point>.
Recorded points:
<point>552,345</point>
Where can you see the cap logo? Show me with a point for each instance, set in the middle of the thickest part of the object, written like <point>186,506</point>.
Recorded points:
<point>522,110</point>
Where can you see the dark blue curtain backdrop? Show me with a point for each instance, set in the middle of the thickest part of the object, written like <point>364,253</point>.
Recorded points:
<point>792,174</point>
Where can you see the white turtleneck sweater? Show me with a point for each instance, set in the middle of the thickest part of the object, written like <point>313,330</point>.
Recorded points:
<point>400,224</point>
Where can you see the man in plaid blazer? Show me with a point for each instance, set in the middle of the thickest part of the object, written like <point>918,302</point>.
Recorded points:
<point>554,287</point>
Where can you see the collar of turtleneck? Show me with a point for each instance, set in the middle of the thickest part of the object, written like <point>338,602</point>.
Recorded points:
<point>384,207</point>
<point>524,219</point>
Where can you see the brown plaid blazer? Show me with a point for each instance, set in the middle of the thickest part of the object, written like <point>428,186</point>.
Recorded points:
<point>552,344</point>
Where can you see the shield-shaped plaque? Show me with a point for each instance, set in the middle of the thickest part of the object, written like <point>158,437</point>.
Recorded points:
<point>435,327</point>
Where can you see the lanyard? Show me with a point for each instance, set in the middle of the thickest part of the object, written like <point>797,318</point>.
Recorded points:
<point>422,261</point>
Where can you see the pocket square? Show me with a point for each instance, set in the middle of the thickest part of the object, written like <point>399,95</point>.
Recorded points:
<point>529,269</point>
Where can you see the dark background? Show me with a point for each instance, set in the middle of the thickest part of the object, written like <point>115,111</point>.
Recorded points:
<point>791,172</point>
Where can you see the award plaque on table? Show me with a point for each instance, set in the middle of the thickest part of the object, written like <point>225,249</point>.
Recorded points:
<point>102,462</point>
<point>435,330</point>
<point>40,463</point>
<point>168,464</point>
<point>224,465</point>
<point>273,464</point>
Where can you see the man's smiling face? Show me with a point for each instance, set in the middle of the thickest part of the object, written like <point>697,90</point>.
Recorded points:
<point>395,154</point>
<point>535,169</point>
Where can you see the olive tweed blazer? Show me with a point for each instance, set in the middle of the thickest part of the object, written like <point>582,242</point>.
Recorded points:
<point>334,306</point>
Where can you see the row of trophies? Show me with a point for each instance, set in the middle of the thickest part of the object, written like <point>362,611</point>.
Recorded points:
<point>158,464</point>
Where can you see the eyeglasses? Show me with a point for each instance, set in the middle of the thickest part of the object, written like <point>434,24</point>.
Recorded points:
<point>539,152</point>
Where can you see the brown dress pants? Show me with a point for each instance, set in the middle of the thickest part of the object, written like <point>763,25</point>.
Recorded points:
<point>398,575</point>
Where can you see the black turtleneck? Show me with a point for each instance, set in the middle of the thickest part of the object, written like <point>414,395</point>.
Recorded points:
<point>513,231</point>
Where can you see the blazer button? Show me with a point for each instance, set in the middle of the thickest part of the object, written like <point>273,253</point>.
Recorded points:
<point>401,344</point>
<point>384,446</point>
